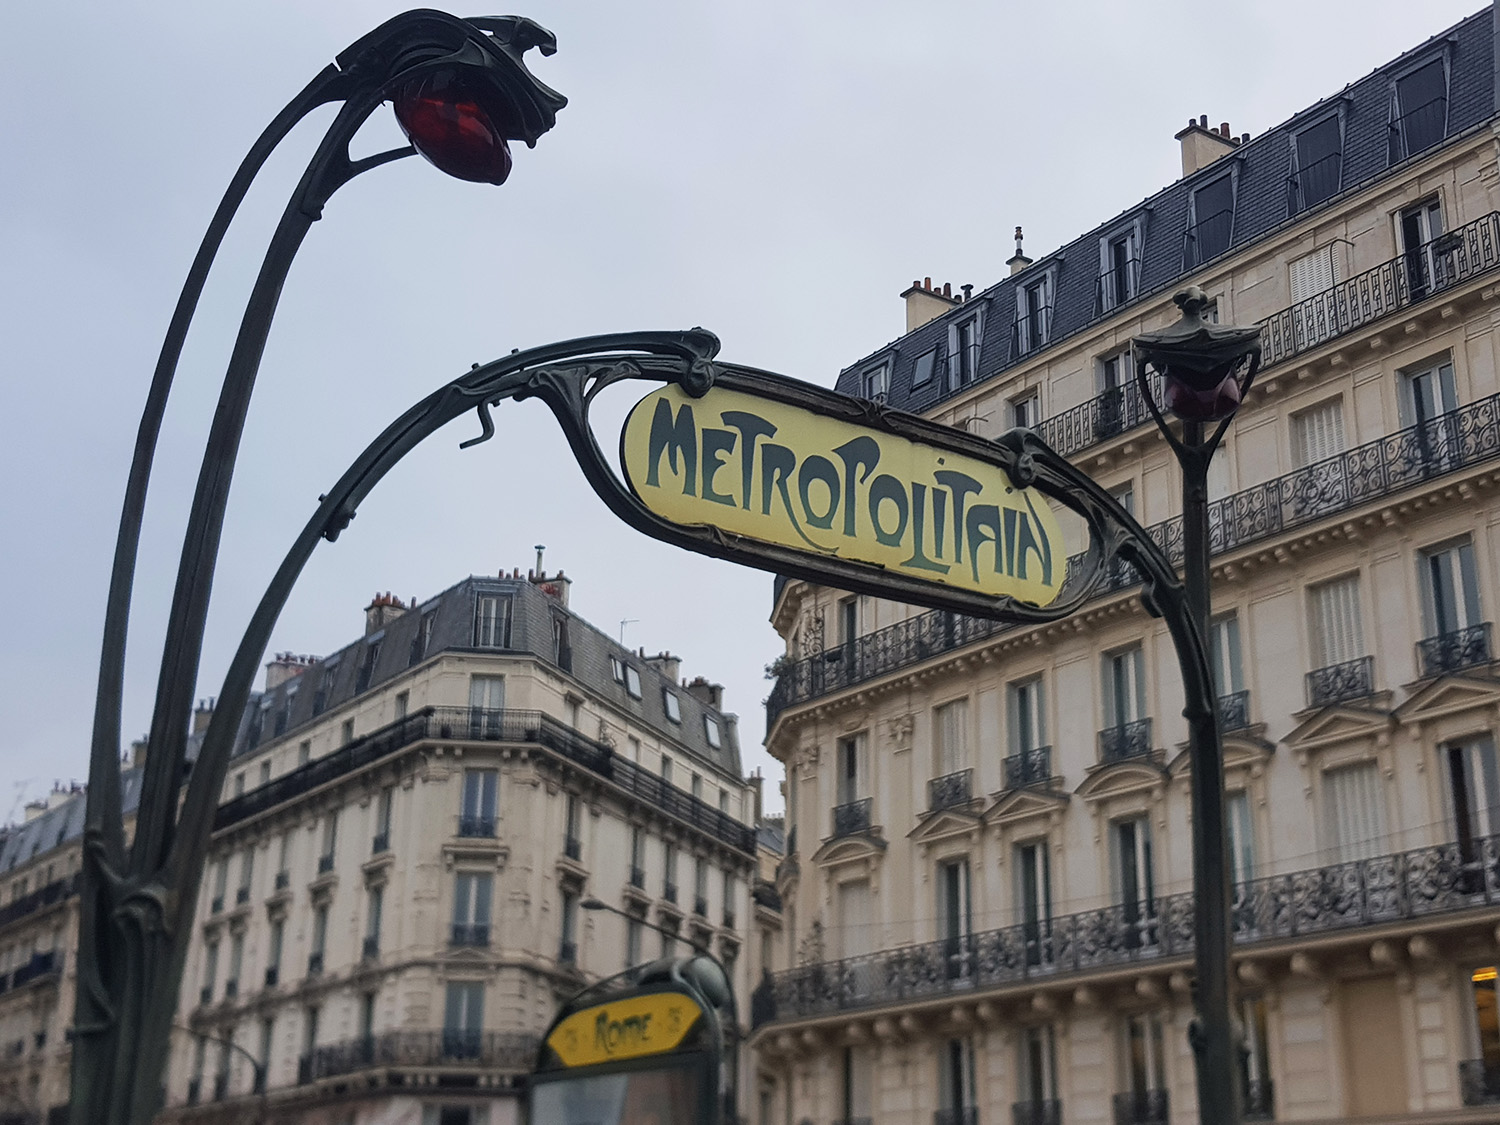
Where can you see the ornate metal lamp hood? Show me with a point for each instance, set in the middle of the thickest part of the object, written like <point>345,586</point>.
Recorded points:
<point>1199,361</point>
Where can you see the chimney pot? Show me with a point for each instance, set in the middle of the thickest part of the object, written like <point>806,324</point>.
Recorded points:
<point>968,291</point>
<point>947,290</point>
<point>1223,128</point>
<point>1203,121</point>
<point>927,283</point>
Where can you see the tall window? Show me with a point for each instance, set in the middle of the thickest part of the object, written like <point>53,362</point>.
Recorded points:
<point>963,352</point>
<point>955,922</point>
<point>1134,878</point>
<point>374,901</point>
<point>847,620</point>
<point>849,757</point>
<point>669,872</point>
<point>267,1039</point>
<point>1450,589</point>
<point>955,1077</point>
<point>1224,652</point>
<point>310,1029</point>
<point>1419,110</point>
<point>637,858</point>
<point>573,827</point>
<point>700,886</point>
<point>486,706</point>
<point>1336,633</point>
<point>1124,682</point>
<point>383,804</point>
<point>1474,792</point>
<point>463,1019</point>
<point>273,951</point>
<point>247,873</point>
<point>1428,399</point>
<point>1037,1074</point>
<point>1317,153</point>
<point>950,728</point>
<point>1241,837</point>
<point>1255,1073</point>
<point>1418,225</point>
<point>1026,715</point>
<point>1486,1016</point>
<point>326,686</point>
<point>922,372</point>
<point>1034,314</point>
<point>236,963</point>
<point>854,921</point>
<point>875,381</point>
<point>1034,900</point>
<point>858,1081</point>
<point>367,665</point>
<point>1318,433</point>
<point>476,817</point>
<point>1211,211</point>
<point>472,894</point>
<point>221,884</point>
<point>330,841</point>
<point>1118,258</point>
<point>210,970</point>
<point>367,1016</point>
<point>421,644</point>
<point>567,950</point>
<point>1026,411</point>
<point>1145,1056</point>
<point>1354,812</point>
<point>319,939</point>
<point>492,621</point>
<point>633,931</point>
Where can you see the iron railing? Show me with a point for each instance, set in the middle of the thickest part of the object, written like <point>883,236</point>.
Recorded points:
<point>1116,286</point>
<point>1141,1107</point>
<point>1030,332</point>
<point>1234,710</point>
<point>1467,436</point>
<point>1479,1082</point>
<point>1028,767</point>
<point>1452,652</point>
<point>852,817</point>
<point>488,1050</point>
<point>470,933</point>
<point>1418,129</point>
<point>28,904</point>
<point>1353,679</point>
<point>1260,1101</point>
<point>1047,1111</point>
<point>1114,410</point>
<point>1207,238</point>
<point>463,723</point>
<point>1320,180</point>
<point>41,965</point>
<point>1127,740</point>
<point>949,790</point>
<point>1427,882</point>
<point>476,826</point>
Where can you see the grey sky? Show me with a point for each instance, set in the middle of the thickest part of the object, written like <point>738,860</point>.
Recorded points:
<point>775,172</point>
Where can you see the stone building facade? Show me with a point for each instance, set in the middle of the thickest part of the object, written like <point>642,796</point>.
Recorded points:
<point>986,891</point>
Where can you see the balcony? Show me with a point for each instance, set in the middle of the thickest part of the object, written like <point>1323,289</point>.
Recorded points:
<point>573,848</point>
<point>511,1052</point>
<point>567,952</point>
<point>1045,1112</point>
<point>1320,180</point>
<point>1029,767</point>
<point>950,790</point>
<point>273,975</point>
<point>470,934</point>
<point>1455,651</point>
<point>325,864</point>
<point>1030,332</point>
<point>521,727</point>
<point>1234,710</point>
<point>41,965</point>
<point>476,826</point>
<point>852,817</point>
<point>637,877</point>
<point>700,905</point>
<point>381,842</point>
<point>1260,1103</point>
<point>1443,880</point>
<point>29,904</point>
<point>370,949</point>
<point>1338,683</point>
<point>964,1115</point>
<point>1206,239</point>
<point>728,918</point>
<point>1479,1082</point>
<point>1141,1107</point>
<point>315,964</point>
<point>1128,740</point>
<point>669,891</point>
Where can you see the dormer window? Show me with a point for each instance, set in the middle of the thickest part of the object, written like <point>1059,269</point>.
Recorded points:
<point>711,731</point>
<point>1317,164</point>
<point>963,352</point>
<point>1034,314</point>
<point>922,373</point>
<point>1419,109</point>
<point>1210,221</point>
<point>1119,268</point>
<point>673,706</point>
<point>875,381</point>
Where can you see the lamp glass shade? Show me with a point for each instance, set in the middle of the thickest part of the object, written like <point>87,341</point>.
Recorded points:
<point>1202,404</point>
<point>444,115</point>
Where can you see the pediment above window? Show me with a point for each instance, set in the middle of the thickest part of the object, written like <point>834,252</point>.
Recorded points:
<point>1243,750</point>
<point>864,848</point>
<point>945,825</point>
<point>1133,776</point>
<point>1019,808</point>
<point>1339,724</point>
<point>1451,695</point>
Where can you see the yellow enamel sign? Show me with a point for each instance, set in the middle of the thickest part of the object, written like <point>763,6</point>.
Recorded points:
<point>624,1029</point>
<point>784,475</point>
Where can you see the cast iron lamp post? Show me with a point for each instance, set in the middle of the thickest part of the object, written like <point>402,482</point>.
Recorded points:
<point>1205,371</point>
<point>461,92</point>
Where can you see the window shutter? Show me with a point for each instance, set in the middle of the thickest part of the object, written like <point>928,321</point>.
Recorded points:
<point>1313,273</point>
<point>1336,621</point>
<point>1318,434</point>
<point>854,918</point>
<point>1355,811</point>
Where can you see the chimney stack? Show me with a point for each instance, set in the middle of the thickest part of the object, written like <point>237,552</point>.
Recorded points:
<point>1201,146</point>
<point>382,610</point>
<point>668,665</point>
<point>924,303</point>
<point>712,694</point>
<point>1018,261</point>
<point>203,713</point>
<point>286,666</point>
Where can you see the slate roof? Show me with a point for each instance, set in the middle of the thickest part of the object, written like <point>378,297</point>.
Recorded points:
<point>23,842</point>
<point>1261,206</point>
<point>533,611</point>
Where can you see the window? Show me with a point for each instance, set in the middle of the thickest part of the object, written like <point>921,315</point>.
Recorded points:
<point>562,645</point>
<point>633,929</point>
<point>674,708</point>
<point>210,971</point>
<point>304,751</point>
<point>874,382</point>
<point>956,1078</point>
<point>1026,715</point>
<point>325,686</point>
<point>669,872</point>
<point>711,731</point>
<point>221,885</point>
<point>573,827</point>
<point>724,801</point>
<point>1116,412</point>
<point>1473,792</point>
<point>1026,411</point>
<point>284,712</point>
<point>463,1019</point>
<point>695,786</point>
<point>1354,812</point>
<point>319,939</point>
<point>374,901</point>
<point>330,841</point>
<point>258,723</point>
<point>367,1016</point>
<point>1037,1074</point>
<point>847,620</point>
<point>472,892</point>
<point>1224,654</point>
<point>729,897</point>
<point>700,886</point>
<point>273,951</point>
<point>633,744</point>
<point>1255,1065</point>
<point>963,352</point>
<point>367,666</point>
<point>1337,636</point>
<point>922,373</point>
<point>849,755</point>
<point>1419,110</point>
<point>632,682</point>
<point>950,736</point>
<point>858,1082</point>
<point>1124,676</point>
<point>617,669</point>
<point>637,858</point>
<point>666,769</point>
<point>567,950</point>
<point>346,732</point>
<point>1210,220</point>
<point>265,771</point>
<point>1124,495</point>
<point>1317,164</point>
<point>383,806</point>
<point>284,858</point>
<point>1134,879</point>
<point>247,872</point>
<point>486,706</point>
<point>1318,433</point>
<point>476,814</point>
<point>492,621</point>
<point>403,703</point>
<point>267,1038</point>
<point>1145,1059</point>
<point>421,644</point>
<point>1486,1017</point>
<point>1427,397</point>
<point>954,920</point>
<point>1308,276</point>
<point>1450,589</point>
<point>1034,314</point>
<point>1034,900</point>
<point>1418,226</point>
<point>1241,837</point>
<point>310,1029</point>
<point>1119,268</point>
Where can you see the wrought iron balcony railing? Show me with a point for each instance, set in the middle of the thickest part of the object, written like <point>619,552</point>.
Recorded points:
<point>1445,879</point>
<point>509,1051</point>
<point>1353,679</point>
<point>1260,1101</point>
<point>41,965</point>
<point>960,1115</point>
<point>1045,1112</point>
<point>476,826</point>
<point>1452,652</point>
<point>950,790</point>
<point>1128,740</point>
<point>1320,180</point>
<point>1234,710</point>
<point>29,904</point>
<point>470,933</point>
<point>1479,1082</point>
<point>1028,767</point>
<point>1418,129</point>
<point>1141,1107</point>
<point>1114,410</point>
<point>523,727</point>
<point>1367,473</point>
<point>852,817</point>
<point>765,894</point>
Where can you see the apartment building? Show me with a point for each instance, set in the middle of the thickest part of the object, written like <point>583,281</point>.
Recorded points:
<point>987,881</point>
<point>413,829</point>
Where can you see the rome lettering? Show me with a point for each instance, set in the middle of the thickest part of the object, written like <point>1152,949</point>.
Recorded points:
<point>631,1034</point>
<point>783,474</point>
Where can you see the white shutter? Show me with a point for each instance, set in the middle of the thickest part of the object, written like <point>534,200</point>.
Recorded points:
<point>1312,274</point>
<point>1241,838</point>
<point>1318,433</point>
<point>854,918</point>
<point>1355,812</point>
<point>952,737</point>
<point>1337,637</point>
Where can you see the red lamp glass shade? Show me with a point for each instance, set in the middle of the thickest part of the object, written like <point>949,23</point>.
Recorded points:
<point>446,121</point>
<point>1211,404</point>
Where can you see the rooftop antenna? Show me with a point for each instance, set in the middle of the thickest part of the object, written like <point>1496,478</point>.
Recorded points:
<point>539,548</point>
<point>624,621</point>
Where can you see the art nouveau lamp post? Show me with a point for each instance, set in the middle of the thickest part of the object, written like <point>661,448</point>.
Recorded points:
<point>1205,370</point>
<point>461,92</point>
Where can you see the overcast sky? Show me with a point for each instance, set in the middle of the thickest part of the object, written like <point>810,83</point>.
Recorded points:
<point>775,172</point>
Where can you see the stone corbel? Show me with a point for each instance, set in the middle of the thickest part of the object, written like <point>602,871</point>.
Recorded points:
<point>1304,965</point>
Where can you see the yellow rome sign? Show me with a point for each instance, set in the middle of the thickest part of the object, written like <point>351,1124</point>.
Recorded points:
<point>625,1029</point>
<point>785,475</point>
